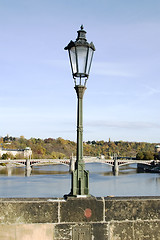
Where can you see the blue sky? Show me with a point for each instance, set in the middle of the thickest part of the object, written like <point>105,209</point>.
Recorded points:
<point>37,90</point>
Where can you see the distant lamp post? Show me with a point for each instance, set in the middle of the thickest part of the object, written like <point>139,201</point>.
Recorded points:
<point>80,54</point>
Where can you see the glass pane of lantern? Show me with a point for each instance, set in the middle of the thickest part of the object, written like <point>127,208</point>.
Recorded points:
<point>81,57</point>
<point>89,61</point>
<point>73,59</point>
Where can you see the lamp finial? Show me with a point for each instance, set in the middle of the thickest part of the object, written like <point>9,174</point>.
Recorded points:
<point>82,27</point>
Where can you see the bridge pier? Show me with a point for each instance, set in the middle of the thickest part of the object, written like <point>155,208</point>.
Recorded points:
<point>28,172</point>
<point>9,169</point>
<point>115,168</point>
<point>28,164</point>
<point>72,164</point>
<point>28,168</point>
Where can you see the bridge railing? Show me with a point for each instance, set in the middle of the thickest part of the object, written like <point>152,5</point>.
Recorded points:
<point>67,161</point>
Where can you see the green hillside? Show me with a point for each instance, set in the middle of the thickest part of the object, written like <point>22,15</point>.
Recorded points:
<point>60,148</point>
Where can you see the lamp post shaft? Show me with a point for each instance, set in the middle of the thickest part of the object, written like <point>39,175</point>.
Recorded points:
<point>80,92</point>
<point>80,177</point>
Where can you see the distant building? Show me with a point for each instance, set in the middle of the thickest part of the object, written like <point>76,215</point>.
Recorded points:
<point>25,153</point>
<point>157,148</point>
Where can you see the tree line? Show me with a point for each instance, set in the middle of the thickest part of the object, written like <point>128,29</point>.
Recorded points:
<point>61,148</point>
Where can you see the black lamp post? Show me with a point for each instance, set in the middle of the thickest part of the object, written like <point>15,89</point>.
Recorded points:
<point>80,54</point>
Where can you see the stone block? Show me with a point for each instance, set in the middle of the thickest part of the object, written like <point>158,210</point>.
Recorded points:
<point>81,210</point>
<point>20,211</point>
<point>63,231</point>
<point>121,231</point>
<point>83,231</point>
<point>147,230</point>
<point>27,232</point>
<point>132,209</point>
<point>100,231</point>
<point>34,231</point>
<point>7,232</point>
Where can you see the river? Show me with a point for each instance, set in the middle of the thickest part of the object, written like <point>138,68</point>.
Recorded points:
<point>54,181</point>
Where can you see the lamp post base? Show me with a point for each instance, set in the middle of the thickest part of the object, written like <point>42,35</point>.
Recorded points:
<point>80,184</point>
<point>68,196</point>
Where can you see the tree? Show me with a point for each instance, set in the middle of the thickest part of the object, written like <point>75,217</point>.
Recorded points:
<point>7,156</point>
<point>157,156</point>
<point>140,156</point>
<point>148,155</point>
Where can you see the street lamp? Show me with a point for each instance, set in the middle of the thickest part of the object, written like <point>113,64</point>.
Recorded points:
<point>80,55</point>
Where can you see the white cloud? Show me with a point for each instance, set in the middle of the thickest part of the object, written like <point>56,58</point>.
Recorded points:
<point>112,69</point>
<point>151,90</point>
<point>123,124</point>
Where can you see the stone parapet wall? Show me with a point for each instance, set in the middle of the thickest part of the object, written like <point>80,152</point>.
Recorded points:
<point>136,218</point>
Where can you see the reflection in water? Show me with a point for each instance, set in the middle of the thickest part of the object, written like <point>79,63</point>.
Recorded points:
<point>50,170</point>
<point>28,172</point>
<point>12,171</point>
<point>54,181</point>
<point>106,170</point>
<point>36,170</point>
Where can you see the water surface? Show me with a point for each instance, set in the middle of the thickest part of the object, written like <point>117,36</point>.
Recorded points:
<point>54,181</point>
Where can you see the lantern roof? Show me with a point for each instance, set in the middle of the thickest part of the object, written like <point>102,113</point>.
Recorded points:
<point>80,41</point>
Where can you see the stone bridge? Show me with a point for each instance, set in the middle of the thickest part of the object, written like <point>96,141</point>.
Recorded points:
<point>114,163</point>
<point>67,161</point>
<point>36,161</point>
<point>111,162</point>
